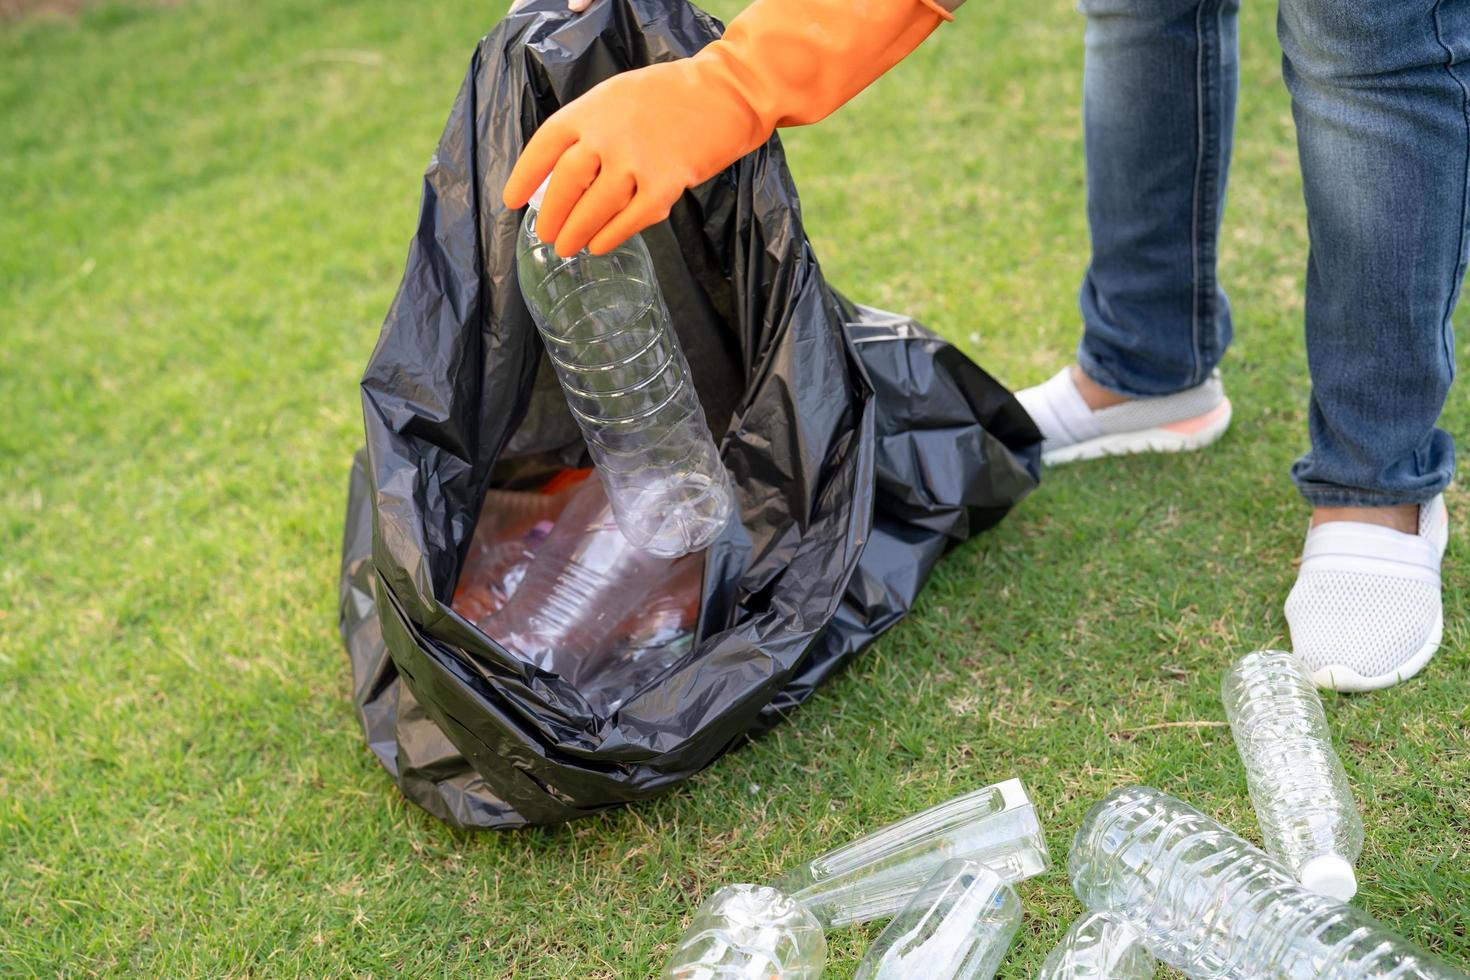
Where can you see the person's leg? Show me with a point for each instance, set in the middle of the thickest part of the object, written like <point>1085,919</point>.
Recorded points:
<point>1380,94</point>
<point>1159,87</point>
<point>1380,108</point>
<point>1158,94</point>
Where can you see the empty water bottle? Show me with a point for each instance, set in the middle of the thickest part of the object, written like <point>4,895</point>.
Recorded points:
<point>750,932</point>
<point>1212,905</point>
<point>564,615</point>
<point>655,635</point>
<point>1296,780</point>
<point>742,929</point>
<point>1099,946</point>
<point>958,926</point>
<point>606,330</point>
<point>511,526</point>
<point>875,876</point>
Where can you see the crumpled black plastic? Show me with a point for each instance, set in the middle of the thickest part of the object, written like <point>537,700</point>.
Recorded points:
<point>861,446</point>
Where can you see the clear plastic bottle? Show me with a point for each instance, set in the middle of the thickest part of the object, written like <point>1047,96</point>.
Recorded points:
<point>1212,905</point>
<point>873,877</point>
<point>1297,783</point>
<point>607,332</point>
<point>958,926</point>
<point>576,589</point>
<point>649,639</point>
<point>512,525</point>
<point>750,932</point>
<point>1099,946</point>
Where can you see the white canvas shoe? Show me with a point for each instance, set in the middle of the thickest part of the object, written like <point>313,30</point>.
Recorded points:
<point>1365,612</point>
<point>1185,420</point>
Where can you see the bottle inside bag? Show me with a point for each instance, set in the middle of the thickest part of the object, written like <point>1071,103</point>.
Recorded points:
<point>512,525</point>
<point>596,610</point>
<point>606,330</point>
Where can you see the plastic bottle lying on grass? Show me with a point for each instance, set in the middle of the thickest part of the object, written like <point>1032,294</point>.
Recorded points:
<point>1210,904</point>
<point>741,929</point>
<point>1099,946</point>
<point>958,926</point>
<point>750,932</point>
<point>1297,783</point>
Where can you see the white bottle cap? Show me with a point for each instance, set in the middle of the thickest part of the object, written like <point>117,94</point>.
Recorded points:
<point>535,201</point>
<point>1330,875</point>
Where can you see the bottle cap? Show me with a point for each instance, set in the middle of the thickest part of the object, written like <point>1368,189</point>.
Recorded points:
<point>535,201</point>
<point>1330,875</point>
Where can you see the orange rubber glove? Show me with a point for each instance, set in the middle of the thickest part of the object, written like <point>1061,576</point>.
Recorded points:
<point>620,156</point>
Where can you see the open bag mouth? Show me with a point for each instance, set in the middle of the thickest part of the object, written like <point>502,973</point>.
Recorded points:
<point>859,446</point>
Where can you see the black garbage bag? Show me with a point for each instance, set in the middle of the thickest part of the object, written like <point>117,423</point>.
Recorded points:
<point>861,447</point>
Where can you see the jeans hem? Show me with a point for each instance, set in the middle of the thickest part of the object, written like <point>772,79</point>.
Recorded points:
<point>1356,497</point>
<point>1104,378</point>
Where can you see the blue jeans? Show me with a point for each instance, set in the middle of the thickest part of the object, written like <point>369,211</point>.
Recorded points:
<point>1381,96</point>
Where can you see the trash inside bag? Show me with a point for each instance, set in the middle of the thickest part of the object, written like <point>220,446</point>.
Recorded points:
<point>512,526</point>
<point>860,447</point>
<point>552,579</point>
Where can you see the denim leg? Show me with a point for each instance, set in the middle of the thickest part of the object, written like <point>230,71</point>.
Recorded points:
<point>1159,86</point>
<point>1379,93</point>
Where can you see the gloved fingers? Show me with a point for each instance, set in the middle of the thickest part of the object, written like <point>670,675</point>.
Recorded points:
<point>539,155</point>
<point>609,194</point>
<point>573,174</point>
<point>647,208</point>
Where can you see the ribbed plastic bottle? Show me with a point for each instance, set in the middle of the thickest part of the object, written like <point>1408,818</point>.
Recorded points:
<point>1212,905</point>
<point>512,525</point>
<point>606,330</point>
<point>742,929</point>
<point>1099,946</point>
<point>1297,783</point>
<point>958,926</point>
<point>575,591</point>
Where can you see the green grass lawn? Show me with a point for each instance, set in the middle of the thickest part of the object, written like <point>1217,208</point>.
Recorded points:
<point>204,210</point>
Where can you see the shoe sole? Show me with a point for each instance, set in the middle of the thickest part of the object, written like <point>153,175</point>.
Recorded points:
<point>1348,681</point>
<point>1177,437</point>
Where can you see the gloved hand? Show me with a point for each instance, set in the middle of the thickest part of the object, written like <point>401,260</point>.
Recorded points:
<point>620,156</point>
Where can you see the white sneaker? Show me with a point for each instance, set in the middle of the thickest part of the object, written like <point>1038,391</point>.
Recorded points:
<point>1365,612</point>
<point>1185,420</point>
